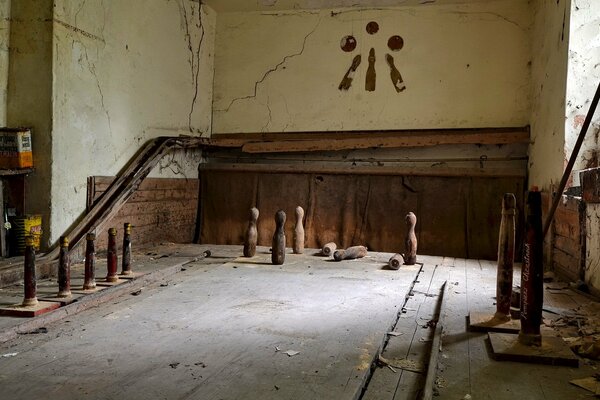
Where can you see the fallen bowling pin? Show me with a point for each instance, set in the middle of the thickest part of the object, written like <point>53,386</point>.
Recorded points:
<point>299,232</point>
<point>278,245</point>
<point>410,256</point>
<point>350,253</point>
<point>329,248</point>
<point>251,236</point>
<point>396,261</point>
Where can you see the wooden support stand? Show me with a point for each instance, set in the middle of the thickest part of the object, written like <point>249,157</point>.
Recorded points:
<point>529,345</point>
<point>501,321</point>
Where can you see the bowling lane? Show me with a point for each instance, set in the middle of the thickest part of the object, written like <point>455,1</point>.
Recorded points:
<point>243,329</point>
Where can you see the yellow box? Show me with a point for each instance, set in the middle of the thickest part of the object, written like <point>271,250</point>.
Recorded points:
<point>15,148</point>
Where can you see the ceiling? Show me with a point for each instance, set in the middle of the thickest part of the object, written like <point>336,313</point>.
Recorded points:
<point>279,5</point>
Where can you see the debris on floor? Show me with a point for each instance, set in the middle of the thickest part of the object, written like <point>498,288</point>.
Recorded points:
<point>291,353</point>
<point>7,355</point>
<point>591,384</point>
<point>395,333</point>
<point>35,331</point>
<point>401,363</point>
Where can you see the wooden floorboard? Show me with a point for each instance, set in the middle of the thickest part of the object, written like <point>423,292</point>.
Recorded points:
<point>402,384</point>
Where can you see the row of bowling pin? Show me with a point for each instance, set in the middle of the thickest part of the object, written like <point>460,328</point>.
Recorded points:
<point>279,242</point>
<point>278,245</point>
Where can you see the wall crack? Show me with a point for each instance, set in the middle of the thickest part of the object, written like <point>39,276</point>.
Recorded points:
<point>195,51</point>
<point>273,69</point>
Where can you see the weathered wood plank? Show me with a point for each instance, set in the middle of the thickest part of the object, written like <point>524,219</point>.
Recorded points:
<point>305,142</point>
<point>324,168</point>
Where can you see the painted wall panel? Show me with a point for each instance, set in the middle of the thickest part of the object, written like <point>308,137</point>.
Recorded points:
<point>463,66</point>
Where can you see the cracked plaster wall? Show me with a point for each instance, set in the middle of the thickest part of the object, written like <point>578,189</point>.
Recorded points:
<point>463,65</point>
<point>4,57</point>
<point>583,79</point>
<point>549,75</point>
<point>125,72</point>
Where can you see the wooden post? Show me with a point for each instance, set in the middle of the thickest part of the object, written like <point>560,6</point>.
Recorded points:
<point>64,269</point>
<point>278,245</point>
<point>89,281</point>
<point>532,286</point>
<point>251,237</point>
<point>111,256</point>
<point>506,258</point>
<point>126,262</point>
<point>29,274</point>
<point>299,231</point>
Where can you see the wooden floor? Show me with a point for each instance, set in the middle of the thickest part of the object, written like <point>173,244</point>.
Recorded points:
<point>221,327</point>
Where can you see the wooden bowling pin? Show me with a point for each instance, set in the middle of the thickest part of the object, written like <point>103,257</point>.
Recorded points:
<point>396,261</point>
<point>111,256</point>
<point>251,236</point>
<point>350,253</point>
<point>278,245</point>
<point>329,248</point>
<point>126,261</point>
<point>299,231</point>
<point>30,282</point>
<point>89,281</point>
<point>410,256</point>
<point>64,269</point>
<point>506,258</point>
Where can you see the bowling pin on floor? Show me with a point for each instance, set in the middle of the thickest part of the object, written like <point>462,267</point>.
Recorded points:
<point>278,246</point>
<point>396,261</point>
<point>329,248</point>
<point>299,231</point>
<point>350,253</point>
<point>251,236</point>
<point>410,256</point>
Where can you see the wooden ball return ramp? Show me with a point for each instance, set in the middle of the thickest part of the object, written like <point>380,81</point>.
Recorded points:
<point>529,345</point>
<point>501,321</point>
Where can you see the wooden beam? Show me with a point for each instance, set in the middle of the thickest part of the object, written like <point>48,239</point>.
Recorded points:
<point>395,141</point>
<point>366,170</point>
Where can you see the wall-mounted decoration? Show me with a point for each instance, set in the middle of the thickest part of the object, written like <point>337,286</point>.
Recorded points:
<point>395,43</point>
<point>371,75</point>
<point>347,80</point>
<point>372,28</point>
<point>395,75</point>
<point>348,43</point>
